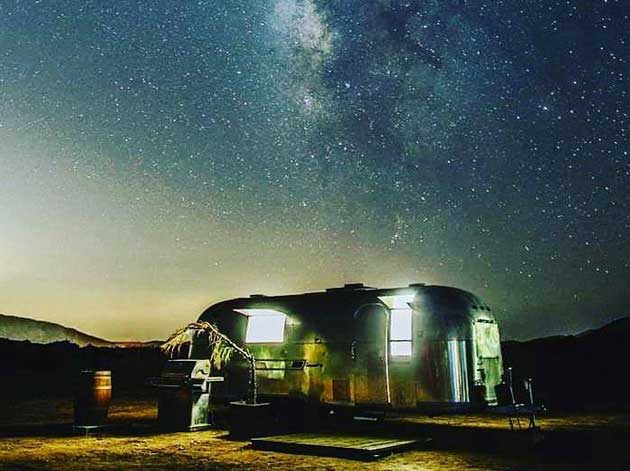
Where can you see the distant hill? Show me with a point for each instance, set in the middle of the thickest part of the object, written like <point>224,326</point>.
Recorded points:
<point>616,328</point>
<point>35,331</point>
<point>22,328</point>
<point>574,370</point>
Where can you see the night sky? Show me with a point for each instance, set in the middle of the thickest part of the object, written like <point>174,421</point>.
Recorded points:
<point>157,156</point>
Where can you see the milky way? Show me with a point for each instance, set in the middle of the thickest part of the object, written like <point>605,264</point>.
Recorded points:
<point>158,156</point>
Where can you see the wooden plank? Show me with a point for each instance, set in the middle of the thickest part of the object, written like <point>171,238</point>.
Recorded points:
<point>349,441</point>
<point>358,447</point>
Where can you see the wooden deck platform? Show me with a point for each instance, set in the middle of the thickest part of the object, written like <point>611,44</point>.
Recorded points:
<point>345,446</point>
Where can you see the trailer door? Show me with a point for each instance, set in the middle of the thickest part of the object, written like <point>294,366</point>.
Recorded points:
<point>370,356</point>
<point>489,361</point>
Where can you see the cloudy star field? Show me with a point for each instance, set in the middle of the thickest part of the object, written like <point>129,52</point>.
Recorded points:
<point>159,156</point>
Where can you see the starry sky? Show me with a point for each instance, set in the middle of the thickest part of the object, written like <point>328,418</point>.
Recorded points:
<point>159,156</point>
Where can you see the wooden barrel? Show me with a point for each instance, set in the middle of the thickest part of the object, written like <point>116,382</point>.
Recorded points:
<point>93,393</point>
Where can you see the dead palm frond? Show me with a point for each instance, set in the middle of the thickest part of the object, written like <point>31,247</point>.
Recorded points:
<point>220,346</point>
<point>221,349</point>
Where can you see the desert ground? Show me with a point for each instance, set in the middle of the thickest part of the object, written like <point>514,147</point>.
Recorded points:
<point>37,435</point>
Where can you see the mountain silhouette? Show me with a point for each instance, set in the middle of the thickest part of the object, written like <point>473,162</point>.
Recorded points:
<point>571,371</point>
<point>36,331</point>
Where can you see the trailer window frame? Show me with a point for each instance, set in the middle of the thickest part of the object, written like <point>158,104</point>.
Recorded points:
<point>401,333</point>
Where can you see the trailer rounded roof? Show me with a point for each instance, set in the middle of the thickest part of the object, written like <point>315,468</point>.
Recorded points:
<point>350,297</point>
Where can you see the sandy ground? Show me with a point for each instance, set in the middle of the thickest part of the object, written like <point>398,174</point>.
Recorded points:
<point>36,435</point>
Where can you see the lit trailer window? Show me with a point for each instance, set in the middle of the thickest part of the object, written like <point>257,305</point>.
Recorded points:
<point>264,325</point>
<point>400,332</point>
<point>400,324</point>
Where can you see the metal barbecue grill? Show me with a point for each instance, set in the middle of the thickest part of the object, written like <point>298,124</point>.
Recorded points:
<point>185,388</point>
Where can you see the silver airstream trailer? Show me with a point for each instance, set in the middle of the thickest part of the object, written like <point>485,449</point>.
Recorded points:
<point>418,348</point>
